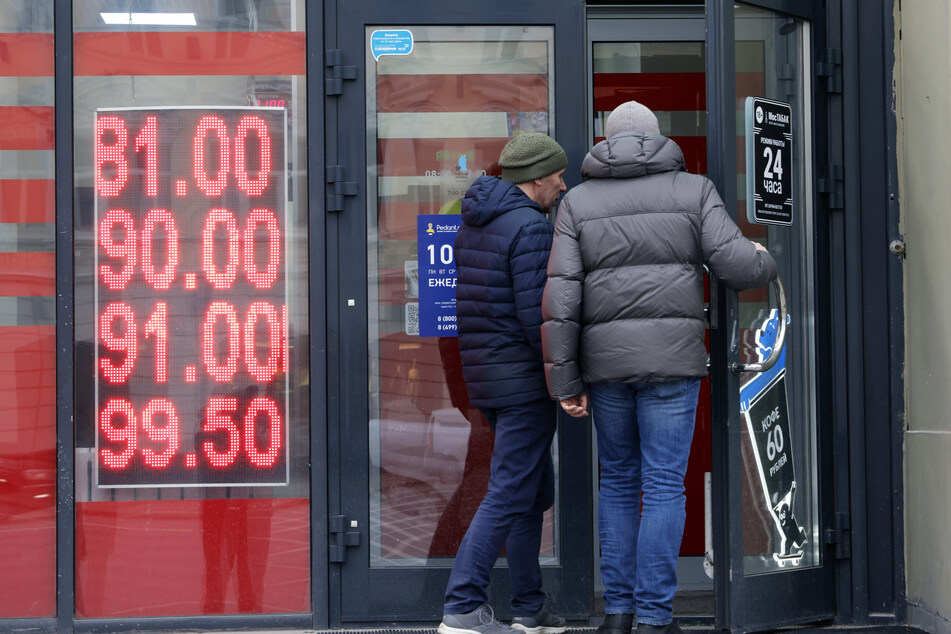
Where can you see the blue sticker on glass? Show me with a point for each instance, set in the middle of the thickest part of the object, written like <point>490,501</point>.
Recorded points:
<point>391,42</point>
<point>435,235</point>
<point>764,407</point>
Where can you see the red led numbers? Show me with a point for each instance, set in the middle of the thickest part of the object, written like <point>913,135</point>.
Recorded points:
<point>159,222</point>
<point>117,333</point>
<point>191,297</point>
<point>252,186</point>
<point>166,434</point>
<point>229,341</point>
<point>214,126</point>
<point>207,126</point>
<point>256,435</point>
<point>221,342</point>
<point>147,140</point>
<point>220,417</point>
<point>112,155</point>
<point>284,350</point>
<point>267,409</point>
<point>117,240</point>
<point>211,155</point>
<point>222,246</point>
<point>262,276</point>
<point>264,314</point>
<point>157,327</point>
<point>117,423</point>
<point>220,234</point>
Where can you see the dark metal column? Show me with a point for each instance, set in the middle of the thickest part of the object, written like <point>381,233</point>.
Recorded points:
<point>65,502</point>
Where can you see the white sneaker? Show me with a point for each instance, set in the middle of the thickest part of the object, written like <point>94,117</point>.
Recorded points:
<point>480,621</point>
<point>544,622</point>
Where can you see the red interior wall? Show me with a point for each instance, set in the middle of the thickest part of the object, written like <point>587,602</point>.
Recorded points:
<point>27,344</point>
<point>187,557</point>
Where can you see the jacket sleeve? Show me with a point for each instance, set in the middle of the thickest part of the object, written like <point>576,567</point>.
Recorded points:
<point>731,257</point>
<point>528,257</point>
<point>561,309</point>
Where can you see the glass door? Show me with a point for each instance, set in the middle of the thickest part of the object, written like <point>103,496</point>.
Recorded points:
<point>770,506</point>
<point>431,107</point>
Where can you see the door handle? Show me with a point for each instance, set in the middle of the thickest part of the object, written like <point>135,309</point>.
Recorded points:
<point>773,357</point>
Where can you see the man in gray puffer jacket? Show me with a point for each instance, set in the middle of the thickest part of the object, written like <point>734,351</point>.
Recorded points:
<point>624,327</point>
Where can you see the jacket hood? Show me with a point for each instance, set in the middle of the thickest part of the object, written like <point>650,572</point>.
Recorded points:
<point>631,155</point>
<point>489,197</point>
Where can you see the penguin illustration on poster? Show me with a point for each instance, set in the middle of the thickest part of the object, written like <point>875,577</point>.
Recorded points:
<point>764,408</point>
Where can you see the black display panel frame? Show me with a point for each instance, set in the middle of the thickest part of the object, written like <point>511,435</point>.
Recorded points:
<point>191,281</point>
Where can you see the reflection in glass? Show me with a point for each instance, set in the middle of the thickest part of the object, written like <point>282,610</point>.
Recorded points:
<point>770,50</point>
<point>27,312</point>
<point>190,550</point>
<point>437,119</point>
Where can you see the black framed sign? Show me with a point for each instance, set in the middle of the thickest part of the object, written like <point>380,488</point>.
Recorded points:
<point>190,296</point>
<point>769,186</point>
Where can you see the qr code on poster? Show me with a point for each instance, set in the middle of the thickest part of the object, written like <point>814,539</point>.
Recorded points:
<point>411,319</point>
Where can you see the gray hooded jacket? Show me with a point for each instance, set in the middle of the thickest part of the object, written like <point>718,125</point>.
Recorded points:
<point>624,298</point>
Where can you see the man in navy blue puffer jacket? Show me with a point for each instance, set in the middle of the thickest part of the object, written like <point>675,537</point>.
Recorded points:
<point>501,255</point>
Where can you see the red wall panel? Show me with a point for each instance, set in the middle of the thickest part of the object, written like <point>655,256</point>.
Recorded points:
<point>26,55</point>
<point>199,53</point>
<point>187,557</point>
<point>27,471</point>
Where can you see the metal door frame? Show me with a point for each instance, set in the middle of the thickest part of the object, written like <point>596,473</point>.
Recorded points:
<point>347,346</point>
<point>637,24</point>
<point>744,603</point>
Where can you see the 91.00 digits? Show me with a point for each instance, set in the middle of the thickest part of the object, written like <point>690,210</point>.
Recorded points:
<point>118,332</point>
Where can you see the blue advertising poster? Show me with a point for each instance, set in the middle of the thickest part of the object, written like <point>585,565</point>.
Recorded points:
<point>437,274</point>
<point>391,42</point>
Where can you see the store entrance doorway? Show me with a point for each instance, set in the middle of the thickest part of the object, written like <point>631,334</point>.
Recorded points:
<point>412,120</point>
<point>659,59</point>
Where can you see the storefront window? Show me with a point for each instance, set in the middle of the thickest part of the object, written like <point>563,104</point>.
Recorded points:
<point>192,395</point>
<point>437,119</point>
<point>27,311</point>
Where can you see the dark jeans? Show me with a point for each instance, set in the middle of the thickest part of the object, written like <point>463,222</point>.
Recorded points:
<point>521,488</point>
<point>644,436</point>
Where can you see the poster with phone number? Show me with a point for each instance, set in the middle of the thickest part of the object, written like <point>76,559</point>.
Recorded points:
<point>437,274</point>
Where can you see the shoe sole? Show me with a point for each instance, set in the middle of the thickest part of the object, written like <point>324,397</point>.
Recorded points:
<point>448,629</point>
<point>541,629</point>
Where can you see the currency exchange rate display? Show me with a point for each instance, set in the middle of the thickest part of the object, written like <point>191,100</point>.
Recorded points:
<point>191,307</point>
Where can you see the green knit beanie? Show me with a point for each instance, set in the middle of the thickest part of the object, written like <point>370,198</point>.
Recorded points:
<point>531,155</point>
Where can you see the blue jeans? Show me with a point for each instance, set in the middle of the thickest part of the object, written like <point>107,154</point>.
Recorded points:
<point>521,489</point>
<point>644,436</point>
